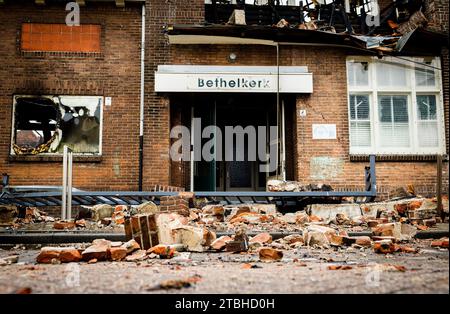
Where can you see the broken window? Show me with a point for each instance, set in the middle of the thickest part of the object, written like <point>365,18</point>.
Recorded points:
<point>44,124</point>
<point>395,106</point>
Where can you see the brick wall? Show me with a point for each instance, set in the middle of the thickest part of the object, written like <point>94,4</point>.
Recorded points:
<point>328,104</point>
<point>157,123</point>
<point>114,72</point>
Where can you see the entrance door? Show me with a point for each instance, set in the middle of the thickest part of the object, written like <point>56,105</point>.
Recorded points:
<point>204,171</point>
<point>242,110</point>
<point>232,110</point>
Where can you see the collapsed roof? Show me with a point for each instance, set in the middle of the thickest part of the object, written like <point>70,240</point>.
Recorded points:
<point>400,31</point>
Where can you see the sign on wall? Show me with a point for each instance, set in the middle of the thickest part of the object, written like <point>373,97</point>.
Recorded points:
<point>230,79</point>
<point>324,131</point>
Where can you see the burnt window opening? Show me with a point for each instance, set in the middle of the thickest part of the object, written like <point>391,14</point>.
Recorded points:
<point>45,124</point>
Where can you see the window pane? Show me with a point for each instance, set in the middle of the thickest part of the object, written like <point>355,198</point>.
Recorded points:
<point>359,107</point>
<point>400,104</point>
<point>362,107</point>
<point>425,77</point>
<point>359,129</point>
<point>358,73</point>
<point>352,107</point>
<point>389,75</point>
<point>426,107</point>
<point>394,121</point>
<point>428,134</point>
<point>385,111</point>
<point>360,134</point>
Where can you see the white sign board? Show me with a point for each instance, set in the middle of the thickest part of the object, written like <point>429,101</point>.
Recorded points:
<point>226,80</point>
<point>324,131</point>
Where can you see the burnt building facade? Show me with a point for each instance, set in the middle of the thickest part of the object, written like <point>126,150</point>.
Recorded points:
<point>334,86</point>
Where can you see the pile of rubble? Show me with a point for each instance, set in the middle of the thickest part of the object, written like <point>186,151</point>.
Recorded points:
<point>176,225</point>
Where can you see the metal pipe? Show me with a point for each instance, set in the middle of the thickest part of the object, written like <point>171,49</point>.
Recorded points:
<point>191,162</point>
<point>283,139</point>
<point>69,185</point>
<point>278,110</point>
<point>64,190</point>
<point>440,211</point>
<point>141,105</point>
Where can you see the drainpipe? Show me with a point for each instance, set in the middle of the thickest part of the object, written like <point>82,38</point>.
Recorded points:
<point>141,115</point>
<point>278,110</point>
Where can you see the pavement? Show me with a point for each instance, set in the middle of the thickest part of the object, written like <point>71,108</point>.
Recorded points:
<point>303,270</point>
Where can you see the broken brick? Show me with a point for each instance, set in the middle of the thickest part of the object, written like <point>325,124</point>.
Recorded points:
<point>336,240</point>
<point>196,239</point>
<point>220,243</point>
<point>131,246</point>
<point>268,254</point>
<point>363,241</point>
<point>293,238</point>
<point>138,255</point>
<point>164,251</point>
<point>384,247</point>
<point>262,238</point>
<point>147,208</point>
<point>102,211</point>
<point>81,223</point>
<point>442,243</point>
<point>62,225</point>
<point>407,249</point>
<point>340,267</point>
<point>118,253</point>
<point>69,256</point>
<point>66,255</point>
<point>99,250</point>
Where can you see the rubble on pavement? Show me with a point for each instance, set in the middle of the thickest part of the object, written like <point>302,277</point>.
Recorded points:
<point>163,231</point>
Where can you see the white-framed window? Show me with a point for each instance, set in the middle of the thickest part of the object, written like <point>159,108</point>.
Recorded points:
<point>43,125</point>
<point>395,106</point>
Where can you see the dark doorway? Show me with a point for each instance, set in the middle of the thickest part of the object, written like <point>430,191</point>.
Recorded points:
<point>233,110</point>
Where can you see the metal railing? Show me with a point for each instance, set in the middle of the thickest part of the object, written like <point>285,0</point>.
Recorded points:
<point>68,197</point>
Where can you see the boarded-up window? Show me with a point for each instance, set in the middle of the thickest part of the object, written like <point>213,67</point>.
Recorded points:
<point>60,38</point>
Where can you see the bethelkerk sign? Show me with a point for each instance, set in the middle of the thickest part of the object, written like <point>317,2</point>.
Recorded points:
<point>232,79</point>
<point>235,82</point>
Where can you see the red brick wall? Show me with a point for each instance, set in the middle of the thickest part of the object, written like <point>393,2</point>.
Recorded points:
<point>114,72</point>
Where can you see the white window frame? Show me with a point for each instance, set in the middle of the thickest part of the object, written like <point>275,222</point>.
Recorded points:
<point>411,91</point>
<point>100,143</point>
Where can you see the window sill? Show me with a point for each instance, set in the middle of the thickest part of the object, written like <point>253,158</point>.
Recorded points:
<point>57,158</point>
<point>397,158</point>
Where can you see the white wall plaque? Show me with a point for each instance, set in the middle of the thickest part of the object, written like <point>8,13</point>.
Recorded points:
<point>324,131</point>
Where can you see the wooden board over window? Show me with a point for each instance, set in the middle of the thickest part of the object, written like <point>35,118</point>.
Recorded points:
<point>60,37</point>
